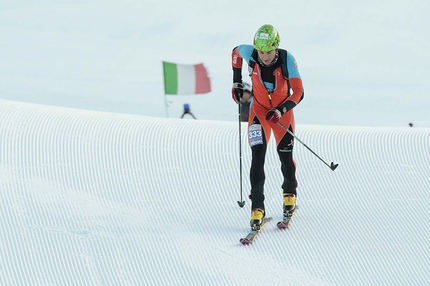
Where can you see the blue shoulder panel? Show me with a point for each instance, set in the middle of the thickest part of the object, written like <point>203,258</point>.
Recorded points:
<point>293,71</point>
<point>246,52</point>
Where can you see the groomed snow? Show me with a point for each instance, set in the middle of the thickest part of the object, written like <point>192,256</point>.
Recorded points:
<point>93,198</point>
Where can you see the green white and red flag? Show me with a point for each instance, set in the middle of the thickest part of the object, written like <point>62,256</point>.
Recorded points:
<point>182,79</point>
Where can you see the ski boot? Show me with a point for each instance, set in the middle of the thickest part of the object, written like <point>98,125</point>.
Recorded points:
<point>289,204</point>
<point>257,216</point>
<point>289,209</point>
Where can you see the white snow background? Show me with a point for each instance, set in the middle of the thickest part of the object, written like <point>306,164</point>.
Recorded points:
<point>98,187</point>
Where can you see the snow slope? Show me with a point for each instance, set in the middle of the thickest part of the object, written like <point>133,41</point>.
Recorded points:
<point>93,198</point>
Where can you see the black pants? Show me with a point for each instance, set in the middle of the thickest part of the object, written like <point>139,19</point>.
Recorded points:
<point>257,176</point>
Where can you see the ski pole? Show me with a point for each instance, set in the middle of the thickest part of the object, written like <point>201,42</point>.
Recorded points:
<point>241,202</point>
<point>332,166</point>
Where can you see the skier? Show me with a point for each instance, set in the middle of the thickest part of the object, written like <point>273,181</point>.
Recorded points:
<point>277,88</point>
<point>187,110</point>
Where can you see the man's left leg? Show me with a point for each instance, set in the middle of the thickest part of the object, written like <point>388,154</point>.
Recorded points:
<point>288,168</point>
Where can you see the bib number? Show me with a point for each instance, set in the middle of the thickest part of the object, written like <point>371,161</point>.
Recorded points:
<point>255,135</point>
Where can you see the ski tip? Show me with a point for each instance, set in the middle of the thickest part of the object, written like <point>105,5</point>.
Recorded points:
<point>282,225</point>
<point>245,241</point>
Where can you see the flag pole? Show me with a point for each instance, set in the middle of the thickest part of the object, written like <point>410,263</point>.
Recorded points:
<point>167,105</point>
<point>165,91</point>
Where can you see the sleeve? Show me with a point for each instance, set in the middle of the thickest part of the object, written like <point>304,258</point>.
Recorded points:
<point>296,85</point>
<point>236,62</point>
<point>298,93</point>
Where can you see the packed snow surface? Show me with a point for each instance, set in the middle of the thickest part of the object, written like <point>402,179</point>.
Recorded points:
<point>95,198</point>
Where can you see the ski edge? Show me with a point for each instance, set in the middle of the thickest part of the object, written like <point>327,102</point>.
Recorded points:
<point>249,239</point>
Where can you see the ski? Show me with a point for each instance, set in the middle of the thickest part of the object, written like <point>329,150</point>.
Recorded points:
<point>286,221</point>
<point>254,233</point>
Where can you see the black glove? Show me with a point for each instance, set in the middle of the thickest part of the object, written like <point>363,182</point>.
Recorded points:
<point>274,115</point>
<point>237,92</point>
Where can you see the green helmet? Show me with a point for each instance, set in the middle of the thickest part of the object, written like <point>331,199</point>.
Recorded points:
<point>266,39</point>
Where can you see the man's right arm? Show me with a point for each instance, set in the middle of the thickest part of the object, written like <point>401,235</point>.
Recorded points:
<point>236,62</point>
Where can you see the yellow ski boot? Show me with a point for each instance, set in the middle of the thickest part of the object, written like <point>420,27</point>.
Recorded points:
<point>289,208</point>
<point>289,204</point>
<point>257,216</point>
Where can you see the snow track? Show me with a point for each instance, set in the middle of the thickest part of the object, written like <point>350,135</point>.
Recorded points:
<point>92,198</point>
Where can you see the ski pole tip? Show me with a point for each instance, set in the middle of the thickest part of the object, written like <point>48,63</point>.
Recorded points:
<point>333,166</point>
<point>241,204</point>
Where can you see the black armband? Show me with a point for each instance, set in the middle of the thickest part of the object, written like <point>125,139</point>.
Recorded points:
<point>286,106</point>
<point>237,74</point>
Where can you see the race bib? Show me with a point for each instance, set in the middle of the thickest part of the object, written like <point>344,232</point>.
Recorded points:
<point>255,135</point>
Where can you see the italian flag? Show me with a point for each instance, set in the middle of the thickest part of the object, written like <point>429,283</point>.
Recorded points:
<point>185,79</point>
